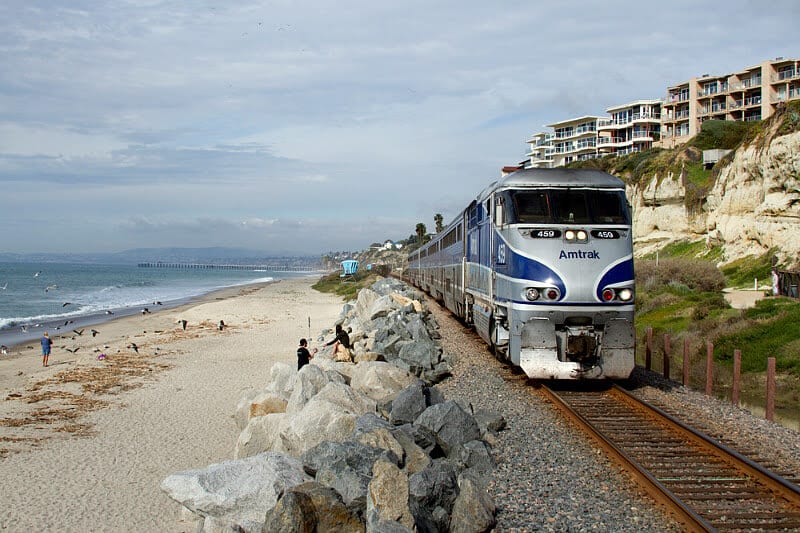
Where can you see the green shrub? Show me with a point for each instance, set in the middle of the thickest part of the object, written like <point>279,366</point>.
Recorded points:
<point>742,272</point>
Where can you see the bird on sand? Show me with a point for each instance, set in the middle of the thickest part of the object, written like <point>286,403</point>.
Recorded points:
<point>94,333</point>
<point>135,348</point>
<point>183,323</point>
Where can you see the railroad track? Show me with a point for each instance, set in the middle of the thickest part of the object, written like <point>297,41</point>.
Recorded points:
<point>707,485</point>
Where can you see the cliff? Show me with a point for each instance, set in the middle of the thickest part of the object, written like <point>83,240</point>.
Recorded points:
<point>748,204</point>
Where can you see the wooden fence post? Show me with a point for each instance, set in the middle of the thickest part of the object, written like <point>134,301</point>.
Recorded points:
<point>648,350</point>
<point>737,375</point>
<point>686,361</point>
<point>770,415</point>
<point>667,349</point>
<point>709,367</point>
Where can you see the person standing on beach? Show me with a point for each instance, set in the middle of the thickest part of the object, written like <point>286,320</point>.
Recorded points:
<point>303,355</point>
<point>47,343</point>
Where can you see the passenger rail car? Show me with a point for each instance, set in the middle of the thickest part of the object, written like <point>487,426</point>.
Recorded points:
<point>541,265</point>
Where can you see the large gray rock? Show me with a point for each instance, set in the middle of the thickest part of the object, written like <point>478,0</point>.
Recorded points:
<point>242,413</point>
<point>420,355</point>
<point>379,380</point>
<point>431,495</point>
<point>473,510</point>
<point>387,496</point>
<point>238,493</point>
<point>450,423</point>
<point>281,379</point>
<point>412,401</point>
<point>318,421</point>
<point>366,298</point>
<point>311,507</point>
<point>310,380</point>
<point>262,434</point>
<point>475,455</point>
<point>346,467</point>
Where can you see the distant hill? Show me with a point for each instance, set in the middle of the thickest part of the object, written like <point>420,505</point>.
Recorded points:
<point>172,255</point>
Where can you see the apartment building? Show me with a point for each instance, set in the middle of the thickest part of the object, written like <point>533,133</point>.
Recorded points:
<point>575,139</point>
<point>632,128</point>
<point>540,153</point>
<point>753,93</point>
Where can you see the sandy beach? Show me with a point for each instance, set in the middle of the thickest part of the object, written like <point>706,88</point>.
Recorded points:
<point>85,442</point>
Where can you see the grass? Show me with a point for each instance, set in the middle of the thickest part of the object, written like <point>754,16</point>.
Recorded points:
<point>348,287</point>
<point>742,272</point>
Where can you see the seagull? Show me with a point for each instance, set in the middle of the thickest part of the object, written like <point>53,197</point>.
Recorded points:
<point>4,287</point>
<point>37,274</point>
<point>145,311</point>
<point>157,303</point>
<point>135,348</point>
<point>221,325</point>
<point>78,332</point>
<point>50,287</point>
<point>68,322</point>
<point>183,323</point>
<point>73,350</point>
<point>4,349</point>
<point>109,312</point>
<point>66,304</point>
<point>94,333</point>
<point>24,329</point>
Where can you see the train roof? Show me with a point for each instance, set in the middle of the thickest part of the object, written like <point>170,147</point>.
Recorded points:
<point>556,177</point>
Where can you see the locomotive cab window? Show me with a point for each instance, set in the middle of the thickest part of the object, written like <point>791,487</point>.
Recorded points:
<point>565,206</point>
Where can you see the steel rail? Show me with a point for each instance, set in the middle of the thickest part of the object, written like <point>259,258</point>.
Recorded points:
<point>691,520</point>
<point>710,480</point>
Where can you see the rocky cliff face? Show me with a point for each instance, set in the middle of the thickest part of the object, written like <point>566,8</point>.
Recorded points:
<point>753,206</point>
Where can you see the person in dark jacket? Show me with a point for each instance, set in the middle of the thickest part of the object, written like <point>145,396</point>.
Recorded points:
<point>341,345</point>
<point>303,355</point>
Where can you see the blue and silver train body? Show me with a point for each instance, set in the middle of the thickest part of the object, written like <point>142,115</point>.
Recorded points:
<point>541,264</point>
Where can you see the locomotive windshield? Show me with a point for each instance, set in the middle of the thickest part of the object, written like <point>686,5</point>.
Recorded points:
<point>570,206</point>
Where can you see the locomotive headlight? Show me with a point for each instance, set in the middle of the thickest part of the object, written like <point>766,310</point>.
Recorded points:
<point>532,294</point>
<point>569,235</point>
<point>625,295</point>
<point>581,235</point>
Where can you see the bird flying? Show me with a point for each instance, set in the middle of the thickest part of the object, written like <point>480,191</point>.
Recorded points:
<point>79,332</point>
<point>37,274</point>
<point>135,348</point>
<point>94,333</point>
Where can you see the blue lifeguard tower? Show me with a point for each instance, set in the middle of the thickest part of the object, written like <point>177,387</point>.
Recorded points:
<point>349,268</point>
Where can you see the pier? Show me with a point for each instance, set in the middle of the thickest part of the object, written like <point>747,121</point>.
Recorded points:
<point>215,266</point>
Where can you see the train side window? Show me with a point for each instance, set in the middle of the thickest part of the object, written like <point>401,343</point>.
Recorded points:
<point>530,207</point>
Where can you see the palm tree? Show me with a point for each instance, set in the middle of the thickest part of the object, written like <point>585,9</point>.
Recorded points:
<point>438,219</point>
<point>421,231</point>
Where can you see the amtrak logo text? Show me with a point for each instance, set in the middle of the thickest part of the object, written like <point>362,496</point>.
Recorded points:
<point>579,254</point>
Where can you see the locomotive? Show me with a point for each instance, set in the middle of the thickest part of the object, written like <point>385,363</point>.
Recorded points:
<point>541,265</point>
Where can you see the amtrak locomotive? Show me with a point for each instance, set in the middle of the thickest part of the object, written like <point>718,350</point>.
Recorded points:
<point>541,264</point>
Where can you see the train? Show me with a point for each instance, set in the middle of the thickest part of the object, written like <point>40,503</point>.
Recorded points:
<point>540,264</point>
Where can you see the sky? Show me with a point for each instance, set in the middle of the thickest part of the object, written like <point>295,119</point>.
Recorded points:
<point>301,127</point>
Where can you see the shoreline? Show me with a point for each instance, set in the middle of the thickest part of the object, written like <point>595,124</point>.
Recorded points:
<point>12,337</point>
<point>87,442</point>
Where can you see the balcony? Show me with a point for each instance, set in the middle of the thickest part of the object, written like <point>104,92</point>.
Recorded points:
<point>786,75</point>
<point>609,141</point>
<point>754,100</point>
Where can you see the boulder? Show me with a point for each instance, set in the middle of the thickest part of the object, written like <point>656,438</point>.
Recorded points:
<point>431,495</point>
<point>317,422</point>
<point>346,467</point>
<point>473,510</point>
<point>412,401</point>
<point>242,413</point>
<point>310,380</point>
<point>236,493</point>
<point>379,380</point>
<point>281,379</point>
<point>262,434</point>
<point>266,403</point>
<point>311,507</point>
<point>450,424</point>
<point>387,496</point>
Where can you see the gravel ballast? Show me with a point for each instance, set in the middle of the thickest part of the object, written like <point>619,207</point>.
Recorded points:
<point>551,477</point>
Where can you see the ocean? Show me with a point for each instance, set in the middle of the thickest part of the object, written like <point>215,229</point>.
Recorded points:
<point>35,296</point>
